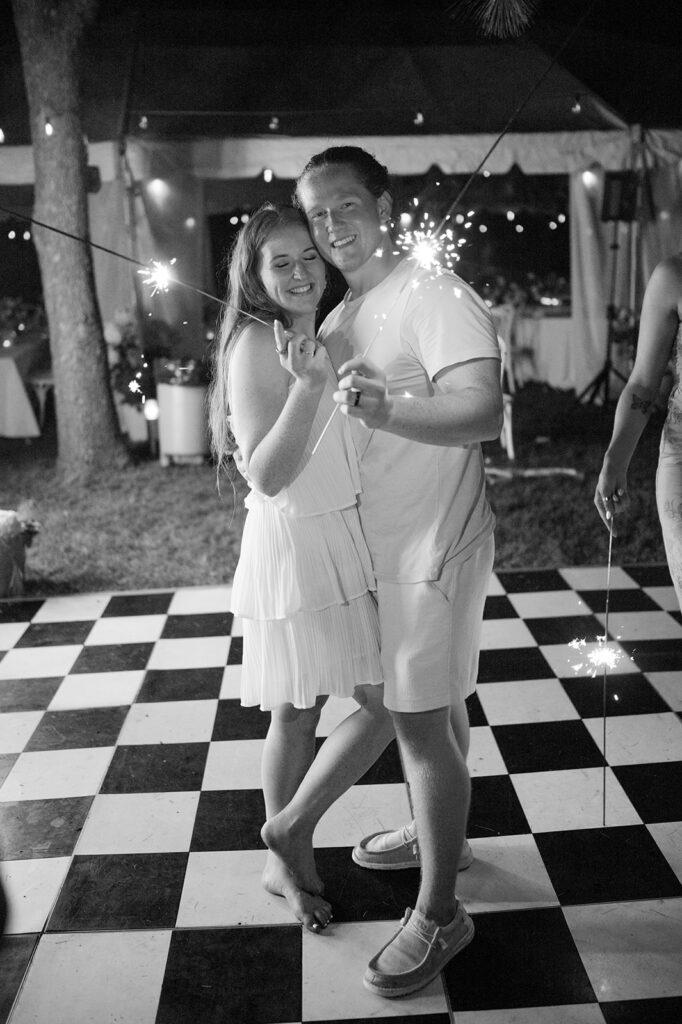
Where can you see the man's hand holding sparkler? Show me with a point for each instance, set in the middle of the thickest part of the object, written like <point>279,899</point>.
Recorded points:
<point>363,393</point>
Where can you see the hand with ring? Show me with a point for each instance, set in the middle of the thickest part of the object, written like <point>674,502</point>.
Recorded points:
<point>301,356</point>
<point>362,392</point>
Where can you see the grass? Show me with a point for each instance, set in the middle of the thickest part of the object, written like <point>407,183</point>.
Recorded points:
<point>149,527</point>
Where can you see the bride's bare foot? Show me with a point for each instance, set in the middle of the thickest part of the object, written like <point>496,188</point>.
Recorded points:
<point>295,851</point>
<point>313,912</point>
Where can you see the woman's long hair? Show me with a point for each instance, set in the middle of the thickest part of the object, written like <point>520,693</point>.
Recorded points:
<point>246,298</point>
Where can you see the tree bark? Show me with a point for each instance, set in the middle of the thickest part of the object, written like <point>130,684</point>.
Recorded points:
<point>50,36</point>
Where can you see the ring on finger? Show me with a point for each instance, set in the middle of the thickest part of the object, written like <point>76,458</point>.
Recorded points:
<point>356,400</point>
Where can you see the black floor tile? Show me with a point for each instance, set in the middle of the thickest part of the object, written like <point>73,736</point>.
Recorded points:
<point>208,624</point>
<point>181,684</point>
<point>19,611</point>
<point>626,600</point>
<point>229,820</point>
<point>32,829</point>
<point>654,790</point>
<point>518,958</point>
<point>495,808</point>
<point>497,606</point>
<point>524,581</point>
<point>561,629</point>
<point>236,651</point>
<point>650,575</point>
<point>15,956</point>
<point>386,769</point>
<point>158,768</point>
<point>137,604</point>
<point>597,865</point>
<point>140,890</point>
<point>360,895</point>
<point>113,658</point>
<point>7,762</point>
<point>28,694</point>
<point>86,727</point>
<point>625,695</point>
<point>243,975</point>
<point>54,634</point>
<point>547,746</point>
<point>495,666</point>
<point>233,722</point>
<point>475,710</point>
<point>654,655</point>
<point>643,1011</point>
<point>415,1018</point>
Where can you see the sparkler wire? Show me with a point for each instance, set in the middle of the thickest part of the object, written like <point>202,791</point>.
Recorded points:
<point>606,637</point>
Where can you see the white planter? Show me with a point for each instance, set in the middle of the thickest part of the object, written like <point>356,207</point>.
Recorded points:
<point>133,423</point>
<point>183,427</point>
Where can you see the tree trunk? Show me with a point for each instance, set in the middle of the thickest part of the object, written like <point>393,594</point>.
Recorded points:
<point>51,38</point>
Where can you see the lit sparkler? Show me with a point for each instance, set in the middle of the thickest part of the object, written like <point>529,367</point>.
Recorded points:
<point>158,276</point>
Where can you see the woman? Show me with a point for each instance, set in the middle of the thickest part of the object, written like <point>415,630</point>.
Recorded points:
<point>303,582</point>
<point>660,338</point>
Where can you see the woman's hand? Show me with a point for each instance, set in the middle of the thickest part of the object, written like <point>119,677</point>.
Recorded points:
<point>301,356</point>
<point>610,496</point>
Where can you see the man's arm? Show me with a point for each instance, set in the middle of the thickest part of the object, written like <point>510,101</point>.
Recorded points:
<point>466,409</point>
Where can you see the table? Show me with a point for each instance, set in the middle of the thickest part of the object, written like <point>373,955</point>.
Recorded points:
<point>542,350</point>
<point>17,416</point>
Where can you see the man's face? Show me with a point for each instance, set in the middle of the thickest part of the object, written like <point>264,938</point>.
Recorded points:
<point>346,220</point>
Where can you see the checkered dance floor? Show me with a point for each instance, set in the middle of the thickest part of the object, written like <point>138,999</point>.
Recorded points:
<point>130,811</point>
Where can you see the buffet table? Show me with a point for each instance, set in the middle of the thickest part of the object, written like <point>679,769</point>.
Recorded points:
<point>17,361</point>
<point>542,350</point>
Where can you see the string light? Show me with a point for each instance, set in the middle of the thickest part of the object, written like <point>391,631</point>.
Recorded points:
<point>577,106</point>
<point>418,119</point>
<point>274,124</point>
<point>267,174</point>
<point>143,123</point>
<point>49,130</point>
<point>2,136</point>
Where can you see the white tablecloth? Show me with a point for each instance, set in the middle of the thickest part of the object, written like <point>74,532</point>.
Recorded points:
<point>17,418</point>
<point>547,340</point>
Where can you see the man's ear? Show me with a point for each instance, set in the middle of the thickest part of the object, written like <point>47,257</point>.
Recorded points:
<point>385,207</point>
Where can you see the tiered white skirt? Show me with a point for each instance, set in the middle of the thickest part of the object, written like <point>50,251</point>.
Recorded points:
<point>302,588</point>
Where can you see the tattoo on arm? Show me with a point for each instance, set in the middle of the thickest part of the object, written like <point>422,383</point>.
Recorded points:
<point>640,403</point>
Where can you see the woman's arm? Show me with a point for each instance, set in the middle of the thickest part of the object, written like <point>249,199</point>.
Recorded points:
<point>658,325</point>
<point>271,420</point>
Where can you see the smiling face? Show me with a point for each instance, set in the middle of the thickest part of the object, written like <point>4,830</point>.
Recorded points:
<point>291,270</point>
<point>345,218</point>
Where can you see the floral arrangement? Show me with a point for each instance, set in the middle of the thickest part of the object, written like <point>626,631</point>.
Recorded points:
<point>17,530</point>
<point>132,354</point>
<point>187,372</point>
<point>18,317</point>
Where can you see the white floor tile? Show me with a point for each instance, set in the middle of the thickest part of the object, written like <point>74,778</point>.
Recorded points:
<point>192,652</point>
<point>361,811</point>
<point>198,600</point>
<point>233,764</point>
<point>50,774</point>
<point>508,873</point>
<point>74,975</point>
<point>333,965</point>
<point>10,633</point>
<point>642,626</point>
<point>555,801</point>
<point>639,739</point>
<point>16,729</point>
<point>38,662</point>
<point>333,712</point>
<point>223,889</point>
<point>528,700</point>
<point>230,687</point>
<point>578,1013</point>
<point>500,633</point>
<point>72,608</point>
<point>669,685</point>
<point>126,629</point>
<point>594,578</point>
<point>630,950</point>
<point>180,721</point>
<point>97,690</point>
<point>31,887</point>
<point>495,588</point>
<point>668,837</point>
<point>548,604</point>
<point>139,823</point>
<point>664,596</point>
<point>484,754</point>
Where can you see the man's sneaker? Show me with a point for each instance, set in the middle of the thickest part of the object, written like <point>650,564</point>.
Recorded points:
<point>417,953</point>
<point>394,850</point>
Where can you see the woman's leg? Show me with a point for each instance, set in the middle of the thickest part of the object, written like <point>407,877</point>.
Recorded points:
<point>287,755</point>
<point>347,753</point>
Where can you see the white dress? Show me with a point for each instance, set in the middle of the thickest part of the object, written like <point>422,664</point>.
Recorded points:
<point>304,579</point>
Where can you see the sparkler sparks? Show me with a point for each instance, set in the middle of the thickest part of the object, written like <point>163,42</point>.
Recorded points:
<point>158,276</point>
<point>601,657</point>
<point>430,249</point>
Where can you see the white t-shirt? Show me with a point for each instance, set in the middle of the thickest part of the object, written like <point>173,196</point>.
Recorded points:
<point>421,504</point>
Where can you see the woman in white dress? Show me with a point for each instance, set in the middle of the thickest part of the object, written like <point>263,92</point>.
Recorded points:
<point>304,579</point>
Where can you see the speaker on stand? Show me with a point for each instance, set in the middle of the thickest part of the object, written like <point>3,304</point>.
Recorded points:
<point>620,203</point>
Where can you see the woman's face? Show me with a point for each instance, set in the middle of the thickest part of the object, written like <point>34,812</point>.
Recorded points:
<point>346,220</point>
<point>291,270</point>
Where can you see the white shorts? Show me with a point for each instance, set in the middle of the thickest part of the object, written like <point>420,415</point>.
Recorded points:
<point>431,634</point>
